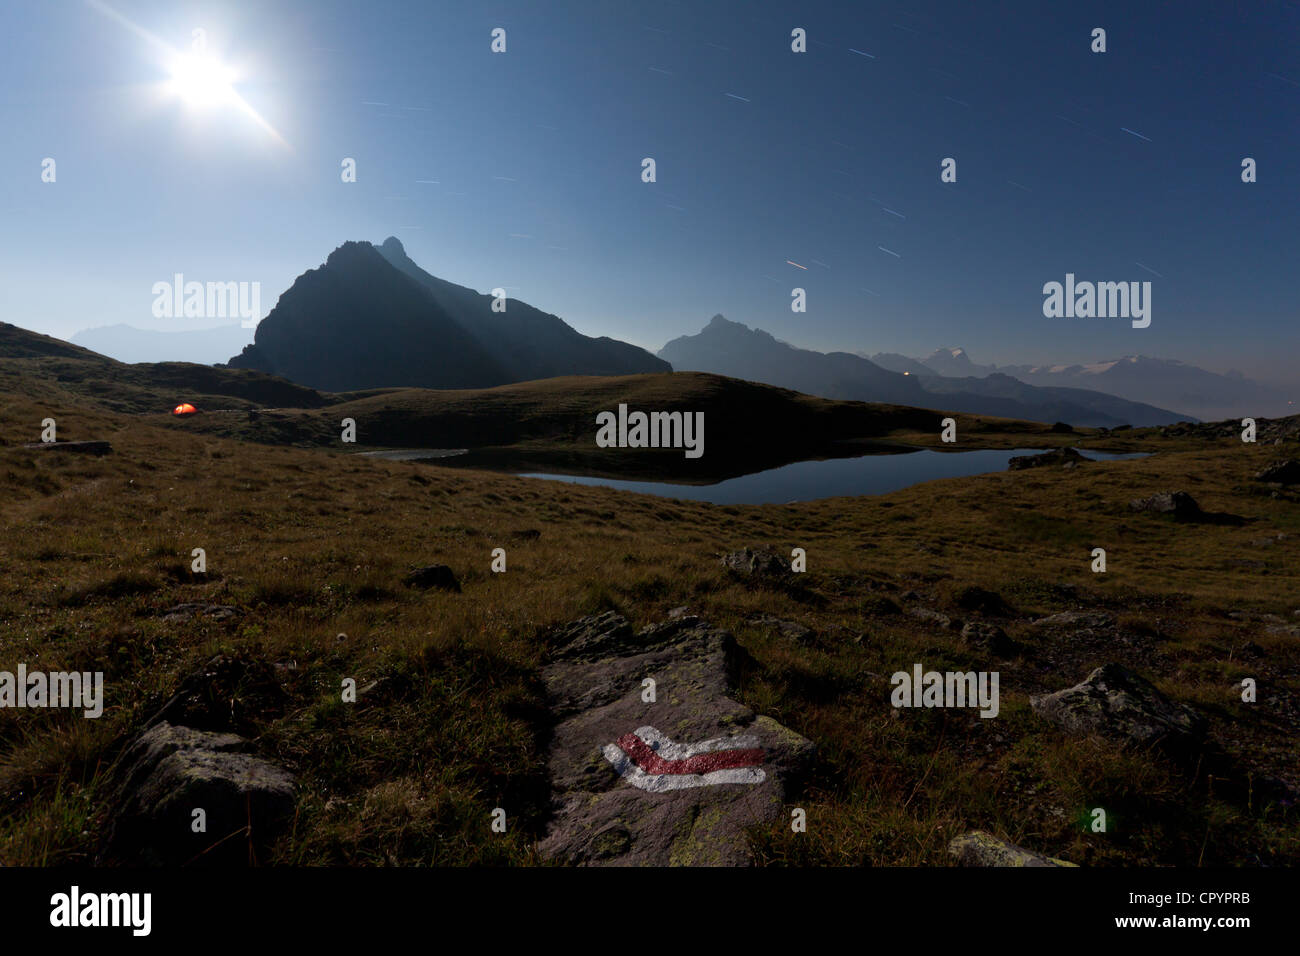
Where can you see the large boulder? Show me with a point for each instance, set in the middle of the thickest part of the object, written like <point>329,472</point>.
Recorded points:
<point>170,772</point>
<point>763,564</point>
<point>1117,703</point>
<point>673,780</point>
<point>978,848</point>
<point>1177,503</point>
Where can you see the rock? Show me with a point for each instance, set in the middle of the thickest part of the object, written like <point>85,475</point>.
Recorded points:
<point>1177,503</point>
<point>764,563</point>
<point>78,447</point>
<point>990,636</point>
<point>676,780</point>
<point>432,576</point>
<point>1285,472</point>
<point>1117,703</point>
<point>1061,428</point>
<point>168,772</point>
<point>184,612</point>
<point>1285,630</point>
<point>978,848</point>
<point>791,630</point>
<point>1057,456</point>
<point>677,612</point>
<point>1091,619</point>
<point>931,616</point>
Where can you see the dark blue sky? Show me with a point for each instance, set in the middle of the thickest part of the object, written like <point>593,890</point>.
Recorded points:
<point>536,157</point>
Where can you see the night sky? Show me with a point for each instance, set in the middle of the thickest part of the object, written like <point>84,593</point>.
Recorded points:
<point>523,169</point>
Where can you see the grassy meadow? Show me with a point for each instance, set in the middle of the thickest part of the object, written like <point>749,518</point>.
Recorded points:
<point>310,545</point>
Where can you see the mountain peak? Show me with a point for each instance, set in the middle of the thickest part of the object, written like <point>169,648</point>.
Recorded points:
<point>393,246</point>
<point>720,321</point>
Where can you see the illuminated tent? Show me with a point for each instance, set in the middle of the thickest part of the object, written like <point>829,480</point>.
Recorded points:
<point>185,408</point>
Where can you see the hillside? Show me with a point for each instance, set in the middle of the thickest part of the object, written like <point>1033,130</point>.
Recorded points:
<point>550,425</point>
<point>51,367</point>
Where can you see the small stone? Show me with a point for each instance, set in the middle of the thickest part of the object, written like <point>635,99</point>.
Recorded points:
<point>931,616</point>
<point>432,576</point>
<point>990,636</point>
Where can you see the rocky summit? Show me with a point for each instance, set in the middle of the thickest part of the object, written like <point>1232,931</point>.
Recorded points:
<point>652,761</point>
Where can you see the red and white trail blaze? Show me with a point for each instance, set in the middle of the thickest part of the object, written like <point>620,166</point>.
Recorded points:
<point>651,761</point>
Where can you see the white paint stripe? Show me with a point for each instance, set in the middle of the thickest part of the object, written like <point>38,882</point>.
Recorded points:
<point>664,782</point>
<point>665,747</point>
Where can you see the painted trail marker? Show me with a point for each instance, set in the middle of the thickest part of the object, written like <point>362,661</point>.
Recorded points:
<point>698,770</point>
<point>649,760</point>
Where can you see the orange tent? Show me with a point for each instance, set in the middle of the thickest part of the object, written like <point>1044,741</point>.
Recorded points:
<point>184,409</point>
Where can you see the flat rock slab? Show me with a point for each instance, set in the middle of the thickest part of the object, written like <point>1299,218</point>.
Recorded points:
<point>1117,703</point>
<point>675,781</point>
<point>78,447</point>
<point>978,848</point>
<point>184,612</point>
<point>1085,619</point>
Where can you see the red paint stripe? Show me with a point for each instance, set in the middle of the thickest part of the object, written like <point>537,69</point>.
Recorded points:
<point>652,763</point>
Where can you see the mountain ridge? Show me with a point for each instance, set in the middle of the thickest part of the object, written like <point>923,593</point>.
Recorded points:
<point>731,348</point>
<point>369,317</point>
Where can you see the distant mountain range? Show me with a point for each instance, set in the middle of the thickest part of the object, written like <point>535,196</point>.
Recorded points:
<point>370,317</point>
<point>1208,395</point>
<point>126,343</point>
<point>730,348</point>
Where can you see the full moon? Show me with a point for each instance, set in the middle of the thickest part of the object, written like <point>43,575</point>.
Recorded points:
<point>201,81</point>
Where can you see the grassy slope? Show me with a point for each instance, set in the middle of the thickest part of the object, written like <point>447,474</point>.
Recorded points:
<point>311,545</point>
